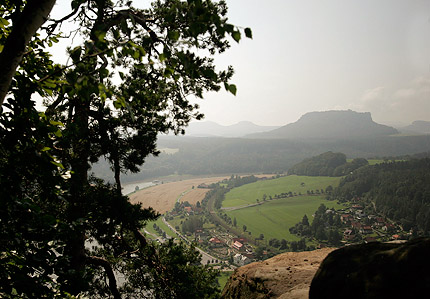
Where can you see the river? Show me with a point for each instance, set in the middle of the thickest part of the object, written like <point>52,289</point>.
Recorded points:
<point>131,187</point>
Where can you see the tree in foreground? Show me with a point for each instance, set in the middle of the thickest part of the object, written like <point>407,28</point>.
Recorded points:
<point>64,231</point>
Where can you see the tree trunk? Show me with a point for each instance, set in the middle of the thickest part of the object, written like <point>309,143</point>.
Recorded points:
<point>117,171</point>
<point>79,191</point>
<point>35,13</point>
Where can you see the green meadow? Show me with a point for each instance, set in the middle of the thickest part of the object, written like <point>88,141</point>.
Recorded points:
<point>248,194</point>
<point>223,278</point>
<point>274,218</point>
<point>149,227</point>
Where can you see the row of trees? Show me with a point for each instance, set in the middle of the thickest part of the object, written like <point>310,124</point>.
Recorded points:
<point>218,191</point>
<point>125,83</point>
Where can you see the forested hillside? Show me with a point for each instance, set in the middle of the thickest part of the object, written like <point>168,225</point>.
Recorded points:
<point>201,156</point>
<point>327,164</point>
<point>399,190</point>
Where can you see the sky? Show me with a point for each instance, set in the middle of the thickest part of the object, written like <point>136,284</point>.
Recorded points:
<point>313,55</point>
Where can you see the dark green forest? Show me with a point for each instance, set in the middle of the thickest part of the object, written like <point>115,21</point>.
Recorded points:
<point>327,164</point>
<point>399,191</point>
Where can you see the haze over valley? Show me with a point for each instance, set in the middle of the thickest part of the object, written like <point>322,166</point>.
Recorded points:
<point>232,149</point>
<point>256,149</point>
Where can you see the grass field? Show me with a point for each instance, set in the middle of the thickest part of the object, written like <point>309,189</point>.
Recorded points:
<point>223,278</point>
<point>247,194</point>
<point>149,227</point>
<point>274,218</point>
<point>375,161</point>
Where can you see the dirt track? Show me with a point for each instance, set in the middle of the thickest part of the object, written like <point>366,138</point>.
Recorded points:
<point>162,197</point>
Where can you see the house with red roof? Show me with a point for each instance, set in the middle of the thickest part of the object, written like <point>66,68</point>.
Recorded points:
<point>215,242</point>
<point>238,246</point>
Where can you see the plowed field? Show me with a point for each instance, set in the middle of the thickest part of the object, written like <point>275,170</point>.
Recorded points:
<point>162,197</point>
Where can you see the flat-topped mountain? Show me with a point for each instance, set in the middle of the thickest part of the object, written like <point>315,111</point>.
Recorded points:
<point>212,129</point>
<point>330,124</point>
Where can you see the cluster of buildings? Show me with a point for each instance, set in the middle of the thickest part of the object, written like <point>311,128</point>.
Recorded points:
<point>360,225</point>
<point>227,246</point>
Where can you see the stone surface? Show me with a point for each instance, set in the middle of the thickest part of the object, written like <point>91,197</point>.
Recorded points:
<point>287,275</point>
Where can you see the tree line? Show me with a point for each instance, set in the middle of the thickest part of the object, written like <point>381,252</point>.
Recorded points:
<point>327,164</point>
<point>201,156</point>
<point>324,227</point>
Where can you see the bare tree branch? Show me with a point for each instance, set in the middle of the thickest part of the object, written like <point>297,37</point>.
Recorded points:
<point>97,261</point>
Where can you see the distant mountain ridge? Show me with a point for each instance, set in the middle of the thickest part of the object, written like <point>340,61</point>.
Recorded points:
<point>417,127</point>
<point>341,124</point>
<point>212,129</point>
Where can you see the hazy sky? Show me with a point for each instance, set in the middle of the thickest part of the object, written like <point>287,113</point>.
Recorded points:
<point>313,55</point>
<point>318,55</point>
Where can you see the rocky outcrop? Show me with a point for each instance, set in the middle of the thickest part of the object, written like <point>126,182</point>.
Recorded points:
<point>375,270</point>
<point>287,275</point>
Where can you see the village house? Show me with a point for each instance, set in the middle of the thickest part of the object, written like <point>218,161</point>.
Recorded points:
<point>348,235</point>
<point>238,246</point>
<point>366,230</point>
<point>360,213</point>
<point>395,237</point>
<point>345,218</point>
<point>241,260</point>
<point>189,210</point>
<point>355,225</point>
<point>388,227</point>
<point>241,240</point>
<point>380,222</point>
<point>215,242</point>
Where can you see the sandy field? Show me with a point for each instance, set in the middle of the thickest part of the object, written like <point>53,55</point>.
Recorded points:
<point>162,197</point>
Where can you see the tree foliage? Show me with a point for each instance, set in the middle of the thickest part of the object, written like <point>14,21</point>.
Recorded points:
<point>192,224</point>
<point>327,164</point>
<point>399,190</point>
<point>66,231</point>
